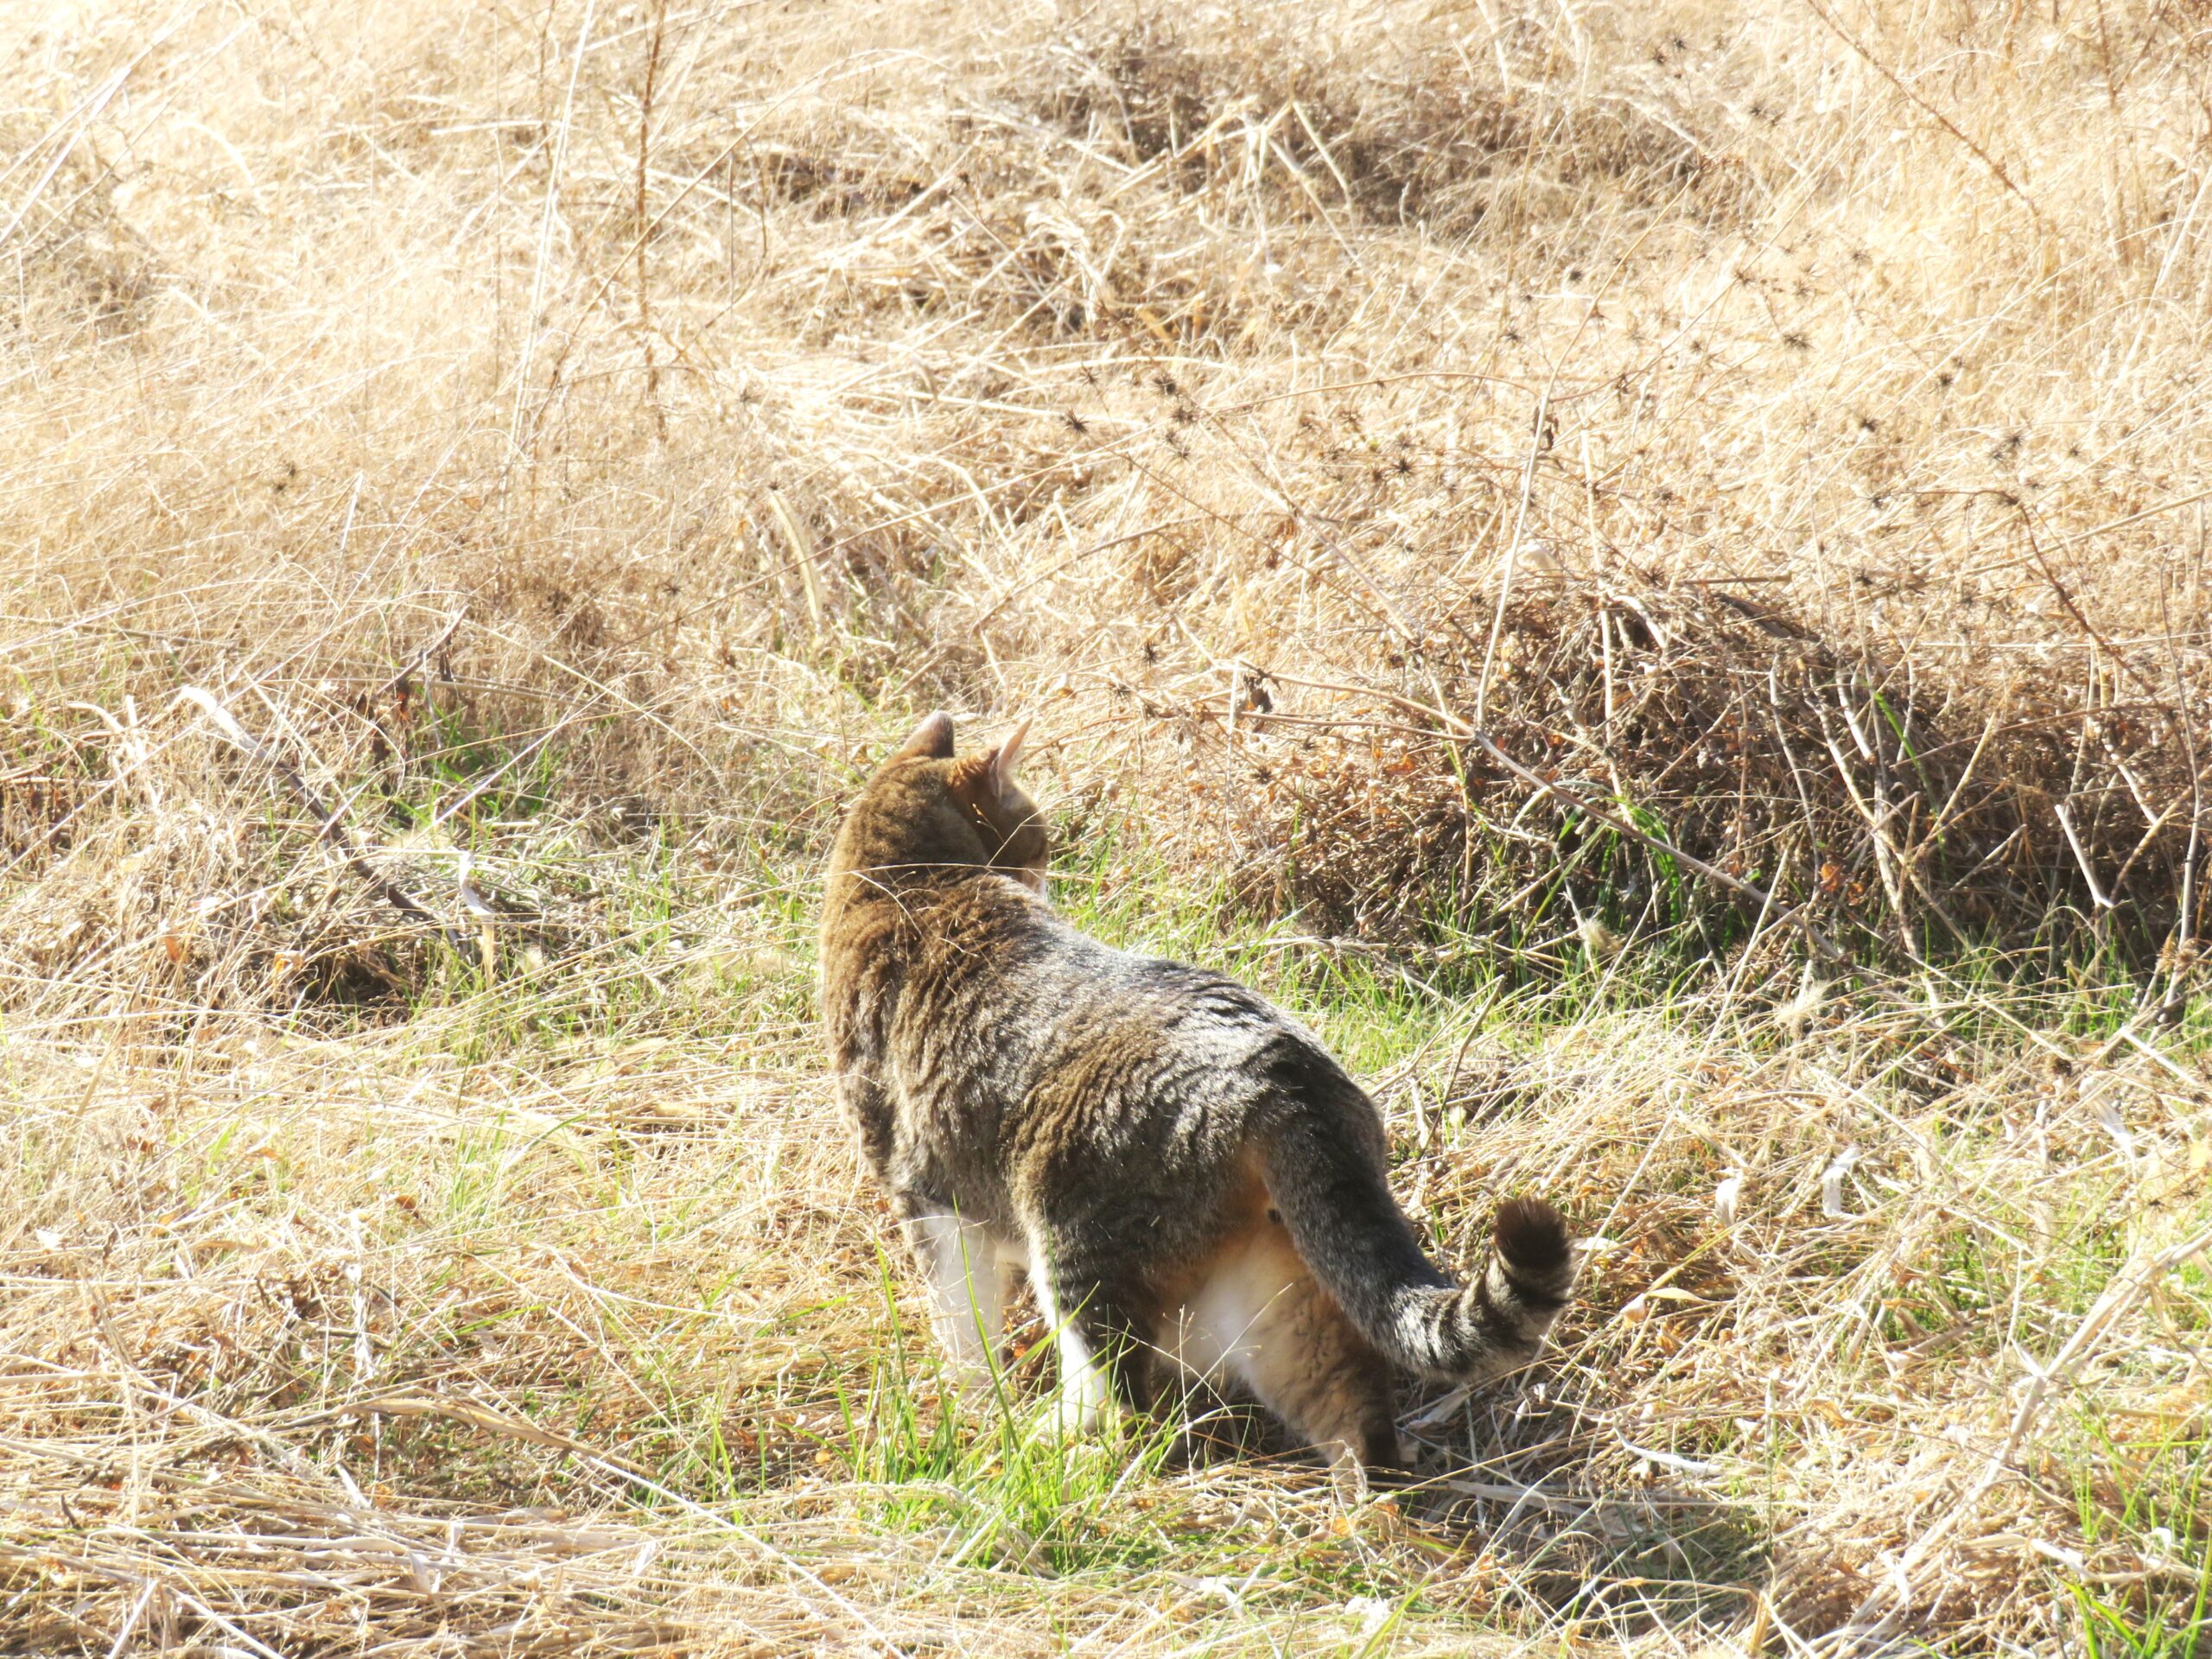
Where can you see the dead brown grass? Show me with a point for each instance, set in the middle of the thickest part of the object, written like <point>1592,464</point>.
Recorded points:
<point>480,485</point>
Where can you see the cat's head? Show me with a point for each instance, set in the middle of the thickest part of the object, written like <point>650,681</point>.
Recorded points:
<point>969,806</point>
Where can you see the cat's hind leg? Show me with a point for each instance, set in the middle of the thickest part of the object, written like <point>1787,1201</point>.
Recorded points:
<point>1260,1315</point>
<point>1095,1332</point>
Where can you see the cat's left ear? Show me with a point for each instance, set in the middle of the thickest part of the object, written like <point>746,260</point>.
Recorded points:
<point>1002,760</point>
<point>932,740</point>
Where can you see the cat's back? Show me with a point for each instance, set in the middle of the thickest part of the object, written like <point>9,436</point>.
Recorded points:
<point>1036,990</point>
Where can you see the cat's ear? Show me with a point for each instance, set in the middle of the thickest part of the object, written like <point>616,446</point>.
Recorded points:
<point>1003,760</point>
<point>933,740</point>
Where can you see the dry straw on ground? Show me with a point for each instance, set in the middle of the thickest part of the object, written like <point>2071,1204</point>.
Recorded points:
<point>1457,487</point>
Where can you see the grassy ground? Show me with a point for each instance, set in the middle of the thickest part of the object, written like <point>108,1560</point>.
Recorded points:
<point>1455,487</point>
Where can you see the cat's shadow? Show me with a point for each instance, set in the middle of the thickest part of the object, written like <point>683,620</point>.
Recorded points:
<point>1518,1496</point>
<point>1523,1482</point>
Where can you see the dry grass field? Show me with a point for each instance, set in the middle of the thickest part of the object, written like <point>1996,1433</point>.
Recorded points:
<point>1642,566</point>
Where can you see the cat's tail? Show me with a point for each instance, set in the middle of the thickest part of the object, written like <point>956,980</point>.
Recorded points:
<point>1328,1186</point>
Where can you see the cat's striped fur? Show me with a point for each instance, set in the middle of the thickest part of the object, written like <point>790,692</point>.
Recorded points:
<point>1187,1176</point>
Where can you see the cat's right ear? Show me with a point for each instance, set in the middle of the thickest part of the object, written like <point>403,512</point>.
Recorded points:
<point>1003,759</point>
<point>933,740</point>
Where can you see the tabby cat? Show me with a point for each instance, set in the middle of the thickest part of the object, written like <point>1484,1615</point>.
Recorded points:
<point>1192,1185</point>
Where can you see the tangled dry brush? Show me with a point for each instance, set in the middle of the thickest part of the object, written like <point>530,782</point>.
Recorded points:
<point>1645,563</point>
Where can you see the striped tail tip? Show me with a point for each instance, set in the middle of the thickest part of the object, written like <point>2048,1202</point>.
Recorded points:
<point>1534,1249</point>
